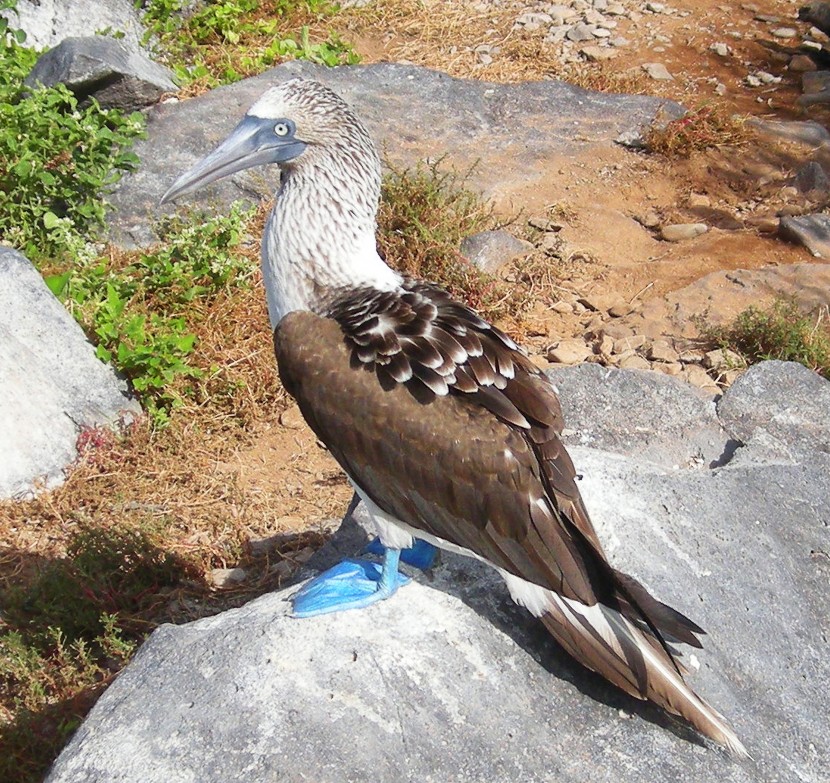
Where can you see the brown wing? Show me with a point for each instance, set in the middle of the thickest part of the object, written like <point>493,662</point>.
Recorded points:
<point>447,426</point>
<point>436,345</point>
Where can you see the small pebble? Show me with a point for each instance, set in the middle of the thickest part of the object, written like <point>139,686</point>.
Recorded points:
<point>661,351</point>
<point>569,352</point>
<point>658,71</point>
<point>784,32</point>
<point>801,63</point>
<point>634,362</point>
<point>678,232</point>
<point>227,577</point>
<point>581,32</point>
<point>768,78</point>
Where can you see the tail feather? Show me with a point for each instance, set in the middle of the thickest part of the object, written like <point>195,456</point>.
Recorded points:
<point>608,643</point>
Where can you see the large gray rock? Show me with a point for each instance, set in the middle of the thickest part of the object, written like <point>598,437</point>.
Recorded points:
<point>513,133</point>
<point>597,412</point>
<point>104,69</point>
<point>782,401</point>
<point>48,22</point>
<point>51,383</point>
<point>448,680</point>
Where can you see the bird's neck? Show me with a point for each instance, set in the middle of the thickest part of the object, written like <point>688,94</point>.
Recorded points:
<point>320,238</point>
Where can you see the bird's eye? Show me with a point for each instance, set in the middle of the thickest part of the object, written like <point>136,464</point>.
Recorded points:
<point>281,129</point>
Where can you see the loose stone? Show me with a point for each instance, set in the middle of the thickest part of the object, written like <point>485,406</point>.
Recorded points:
<point>802,63</point>
<point>658,71</point>
<point>634,362</point>
<point>569,352</point>
<point>784,32</point>
<point>661,351</point>
<point>678,232</point>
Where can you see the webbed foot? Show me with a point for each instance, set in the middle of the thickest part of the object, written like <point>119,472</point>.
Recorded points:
<point>352,584</point>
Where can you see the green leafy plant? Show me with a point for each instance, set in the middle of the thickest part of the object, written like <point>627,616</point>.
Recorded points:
<point>141,314</point>
<point>57,159</point>
<point>782,331</point>
<point>223,41</point>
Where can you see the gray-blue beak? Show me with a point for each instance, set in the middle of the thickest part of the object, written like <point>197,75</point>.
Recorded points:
<point>254,142</point>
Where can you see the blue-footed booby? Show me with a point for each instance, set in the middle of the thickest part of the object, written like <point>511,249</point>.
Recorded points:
<point>445,428</point>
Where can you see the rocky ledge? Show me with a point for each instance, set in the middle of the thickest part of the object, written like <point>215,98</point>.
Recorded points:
<point>722,511</point>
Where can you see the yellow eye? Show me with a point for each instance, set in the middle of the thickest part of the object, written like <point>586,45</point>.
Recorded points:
<point>281,129</point>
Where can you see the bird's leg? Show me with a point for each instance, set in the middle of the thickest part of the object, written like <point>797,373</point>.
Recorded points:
<point>421,554</point>
<point>352,584</point>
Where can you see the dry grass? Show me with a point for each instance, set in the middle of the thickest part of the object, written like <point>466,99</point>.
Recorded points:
<point>424,215</point>
<point>446,36</point>
<point>709,125</point>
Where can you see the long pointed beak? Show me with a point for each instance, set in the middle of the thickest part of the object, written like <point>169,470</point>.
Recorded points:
<point>252,143</point>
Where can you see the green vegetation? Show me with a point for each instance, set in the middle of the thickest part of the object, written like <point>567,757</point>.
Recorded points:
<point>57,162</point>
<point>142,313</point>
<point>69,632</point>
<point>781,331</point>
<point>57,159</point>
<point>223,41</point>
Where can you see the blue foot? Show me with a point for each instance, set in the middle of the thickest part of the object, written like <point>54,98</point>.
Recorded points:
<point>420,555</point>
<point>352,584</point>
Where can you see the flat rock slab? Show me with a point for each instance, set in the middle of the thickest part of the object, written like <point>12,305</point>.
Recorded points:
<point>449,680</point>
<point>590,394</point>
<point>512,133</point>
<point>720,296</point>
<point>51,383</point>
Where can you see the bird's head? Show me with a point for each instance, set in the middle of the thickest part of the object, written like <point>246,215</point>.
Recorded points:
<point>290,122</point>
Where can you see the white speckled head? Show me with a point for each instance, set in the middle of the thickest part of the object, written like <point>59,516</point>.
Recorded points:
<point>320,235</point>
<point>320,115</point>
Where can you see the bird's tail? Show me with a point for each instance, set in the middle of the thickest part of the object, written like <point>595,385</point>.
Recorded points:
<point>633,659</point>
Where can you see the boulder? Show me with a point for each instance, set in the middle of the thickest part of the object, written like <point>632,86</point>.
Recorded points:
<point>48,22</point>
<point>812,231</point>
<point>508,136</point>
<point>783,401</point>
<point>104,69</point>
<point>449,680</point>
<point>51,383</point>
<point>599,413</point>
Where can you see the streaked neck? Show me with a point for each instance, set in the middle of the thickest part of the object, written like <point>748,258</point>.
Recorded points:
<point>320,237</point>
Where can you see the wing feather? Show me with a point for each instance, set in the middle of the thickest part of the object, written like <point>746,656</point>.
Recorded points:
<point>484,467</point>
